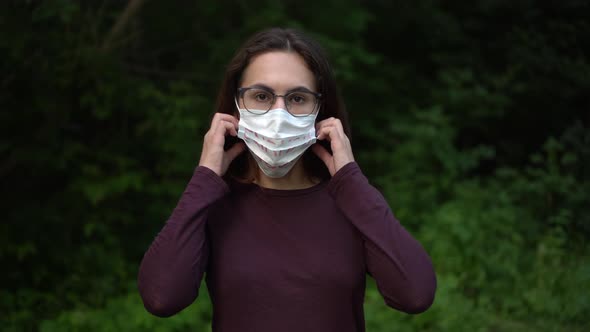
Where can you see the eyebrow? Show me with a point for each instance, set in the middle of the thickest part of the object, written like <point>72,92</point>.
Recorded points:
<point>300,88</point>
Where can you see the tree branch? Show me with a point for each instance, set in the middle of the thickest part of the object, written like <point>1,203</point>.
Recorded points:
<point>131,9</point>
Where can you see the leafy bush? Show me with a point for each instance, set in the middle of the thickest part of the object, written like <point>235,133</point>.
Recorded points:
<point>126,313</point>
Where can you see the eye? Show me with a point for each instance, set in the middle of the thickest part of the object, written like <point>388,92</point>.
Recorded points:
<point>262,96</point>
<point>297,98</point>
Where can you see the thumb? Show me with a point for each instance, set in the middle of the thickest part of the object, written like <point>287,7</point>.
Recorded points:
<point>235,150</point>
<point>322,153</point>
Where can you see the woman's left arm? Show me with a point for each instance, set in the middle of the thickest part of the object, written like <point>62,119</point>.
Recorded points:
<point>401,267</point>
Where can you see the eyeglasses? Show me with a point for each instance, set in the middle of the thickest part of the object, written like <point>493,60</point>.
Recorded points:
<point>298,103</point>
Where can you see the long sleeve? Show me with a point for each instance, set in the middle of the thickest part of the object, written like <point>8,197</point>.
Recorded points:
<point>402,269</point>
<point>173,266</point>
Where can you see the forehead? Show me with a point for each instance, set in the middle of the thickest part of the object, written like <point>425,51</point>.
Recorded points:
<point>279,70</point>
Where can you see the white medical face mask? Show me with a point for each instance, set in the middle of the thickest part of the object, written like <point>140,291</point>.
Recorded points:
<point>276,138</point>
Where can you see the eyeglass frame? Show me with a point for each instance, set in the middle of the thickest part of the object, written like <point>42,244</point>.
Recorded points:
<point>317,95</point>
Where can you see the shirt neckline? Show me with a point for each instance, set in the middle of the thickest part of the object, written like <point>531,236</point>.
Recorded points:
<point>284,192</point>
<point>290,192</point>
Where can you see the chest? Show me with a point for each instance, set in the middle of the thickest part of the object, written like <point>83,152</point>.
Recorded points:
<point>272,243</point>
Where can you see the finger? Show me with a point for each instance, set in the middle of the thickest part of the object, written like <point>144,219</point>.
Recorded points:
<point>321,134</point>
<point>336,123</point>
<point>219,117</point>
<point>322,153</point>
<point>322,123</point>
<point>326,132</point>
<point>225,127</point>
<point>230,128</point>
<point>230,118</point>
<point>223,116</point>
<point>327,121</point>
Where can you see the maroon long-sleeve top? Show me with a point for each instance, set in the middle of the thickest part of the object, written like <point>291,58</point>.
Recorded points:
<point>284,260</point>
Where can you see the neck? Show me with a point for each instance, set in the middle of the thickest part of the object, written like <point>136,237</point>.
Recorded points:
<point>295,179</point>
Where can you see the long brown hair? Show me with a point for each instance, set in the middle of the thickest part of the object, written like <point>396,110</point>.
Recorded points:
<point>331,104</point>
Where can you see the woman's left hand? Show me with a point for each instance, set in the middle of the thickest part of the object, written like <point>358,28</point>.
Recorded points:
<point>331,130</point>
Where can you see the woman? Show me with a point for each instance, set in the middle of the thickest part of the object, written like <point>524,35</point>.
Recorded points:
<point>278,214</point>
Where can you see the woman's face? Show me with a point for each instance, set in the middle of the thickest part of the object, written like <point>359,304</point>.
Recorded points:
<point>279,72</point>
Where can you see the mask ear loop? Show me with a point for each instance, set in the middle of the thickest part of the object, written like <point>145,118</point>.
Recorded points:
<point>238,108</point>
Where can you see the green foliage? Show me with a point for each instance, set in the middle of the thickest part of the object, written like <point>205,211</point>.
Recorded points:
<point>126,313</point>
<point>472,121</point>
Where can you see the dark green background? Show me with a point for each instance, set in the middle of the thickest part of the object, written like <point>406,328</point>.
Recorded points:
<point>471,118</point>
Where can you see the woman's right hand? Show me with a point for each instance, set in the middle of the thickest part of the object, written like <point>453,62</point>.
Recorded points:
<point>213,155</point>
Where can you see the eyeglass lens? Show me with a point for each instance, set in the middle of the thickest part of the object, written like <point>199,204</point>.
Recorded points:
<point>261,101</point>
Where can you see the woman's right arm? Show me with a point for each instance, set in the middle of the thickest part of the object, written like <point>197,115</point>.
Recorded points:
<point>172,268</point>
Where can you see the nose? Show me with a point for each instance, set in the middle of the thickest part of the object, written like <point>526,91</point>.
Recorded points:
<point>279,102</point>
